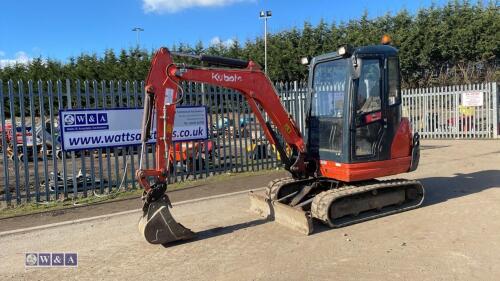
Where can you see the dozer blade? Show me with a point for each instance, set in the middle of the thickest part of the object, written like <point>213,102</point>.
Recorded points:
<point>293,218</point>
<point>159,227</point>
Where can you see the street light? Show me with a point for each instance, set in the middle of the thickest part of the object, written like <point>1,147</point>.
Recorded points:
<point>138,30</point>
<point>265,15</point>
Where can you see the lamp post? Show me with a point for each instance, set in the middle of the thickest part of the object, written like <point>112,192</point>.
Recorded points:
<point>265,15</point>
<point>138,30</point>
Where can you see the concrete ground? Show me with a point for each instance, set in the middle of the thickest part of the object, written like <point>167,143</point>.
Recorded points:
<point>453,236</point>
<point>203,188</point>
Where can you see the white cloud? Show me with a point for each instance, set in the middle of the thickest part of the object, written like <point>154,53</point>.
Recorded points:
<point>20,57</point>
<point>217,41</point>
<point>172,6</point>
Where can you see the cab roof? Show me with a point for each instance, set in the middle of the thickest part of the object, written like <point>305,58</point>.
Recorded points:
<point>372,49</point>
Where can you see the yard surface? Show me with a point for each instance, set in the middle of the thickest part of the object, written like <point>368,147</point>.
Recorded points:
<point>453,236</point>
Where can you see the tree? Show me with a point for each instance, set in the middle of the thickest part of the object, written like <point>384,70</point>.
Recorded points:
<point>439,45</point>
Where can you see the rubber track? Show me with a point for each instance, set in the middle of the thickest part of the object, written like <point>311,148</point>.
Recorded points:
<point>274,186</point>
<point>321,203</point>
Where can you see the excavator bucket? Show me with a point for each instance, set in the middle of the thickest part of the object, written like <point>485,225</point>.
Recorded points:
<point>293,218</point>
<point>159,227</point>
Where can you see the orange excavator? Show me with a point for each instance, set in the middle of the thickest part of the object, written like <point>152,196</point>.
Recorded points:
<point>354,134</point>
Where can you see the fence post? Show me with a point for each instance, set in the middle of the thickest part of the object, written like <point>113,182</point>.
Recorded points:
<point>13,140</point>
<point>4,147</point>
<point>496,112</point>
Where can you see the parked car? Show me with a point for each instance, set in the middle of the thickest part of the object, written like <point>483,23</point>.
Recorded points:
<point>17,141</point>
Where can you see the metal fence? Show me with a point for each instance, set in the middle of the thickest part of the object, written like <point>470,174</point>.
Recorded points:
<point>34,168</point>
<point>441,112</point>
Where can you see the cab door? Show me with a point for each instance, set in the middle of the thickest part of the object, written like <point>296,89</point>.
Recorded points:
<point>369,120</point>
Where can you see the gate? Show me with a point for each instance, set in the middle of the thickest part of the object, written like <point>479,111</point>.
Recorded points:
<point>454,112</point>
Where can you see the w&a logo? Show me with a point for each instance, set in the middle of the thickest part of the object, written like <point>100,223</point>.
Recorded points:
<point>51,260</point>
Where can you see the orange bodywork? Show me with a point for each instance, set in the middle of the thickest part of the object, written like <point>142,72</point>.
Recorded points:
<point>399,163</point>
<point>402,143</point>
<point>364,171</point>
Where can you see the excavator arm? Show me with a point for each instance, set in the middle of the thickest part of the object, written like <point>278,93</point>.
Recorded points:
<point>164,92</point>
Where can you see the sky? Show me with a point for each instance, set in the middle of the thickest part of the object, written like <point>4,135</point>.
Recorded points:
<point>59,29</point>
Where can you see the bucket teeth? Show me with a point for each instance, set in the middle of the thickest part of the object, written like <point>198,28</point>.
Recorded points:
<point>159,227</point>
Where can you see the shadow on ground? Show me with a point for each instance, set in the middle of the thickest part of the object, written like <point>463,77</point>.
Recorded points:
<point>428,147</point>
<point>441,189</point>
<point>218,231</point>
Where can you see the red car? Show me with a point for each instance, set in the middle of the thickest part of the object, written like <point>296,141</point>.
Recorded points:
<point>7,132</point>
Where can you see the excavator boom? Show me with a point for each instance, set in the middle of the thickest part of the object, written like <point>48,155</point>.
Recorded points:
<point>164,92</point>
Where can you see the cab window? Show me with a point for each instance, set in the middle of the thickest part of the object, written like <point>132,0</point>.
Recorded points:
<point>368,97</point>
<point>394,80</point>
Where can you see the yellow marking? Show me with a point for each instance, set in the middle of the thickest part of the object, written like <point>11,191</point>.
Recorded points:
<point>288,130</point>
<point>169,128</point>
<point>467,110</point>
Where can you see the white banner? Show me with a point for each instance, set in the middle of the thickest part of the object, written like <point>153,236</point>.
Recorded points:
<point>100,128</point>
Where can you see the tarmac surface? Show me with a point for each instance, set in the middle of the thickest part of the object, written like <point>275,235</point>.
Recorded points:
<point>231,183</point>
<point>453,236</point>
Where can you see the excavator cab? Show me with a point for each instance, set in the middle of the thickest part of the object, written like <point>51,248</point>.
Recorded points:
<point>354,134</point>
<point>355,113</point>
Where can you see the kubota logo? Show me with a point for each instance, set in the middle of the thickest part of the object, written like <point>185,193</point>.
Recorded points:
<point>219,77</point>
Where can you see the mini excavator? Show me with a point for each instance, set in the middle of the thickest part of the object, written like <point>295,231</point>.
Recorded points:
<point>354,134</point>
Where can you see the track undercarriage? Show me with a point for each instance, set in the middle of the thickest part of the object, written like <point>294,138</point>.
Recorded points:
<point>295,203</point>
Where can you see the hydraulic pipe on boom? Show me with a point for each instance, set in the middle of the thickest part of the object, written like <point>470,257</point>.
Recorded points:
<point>164,92</point>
